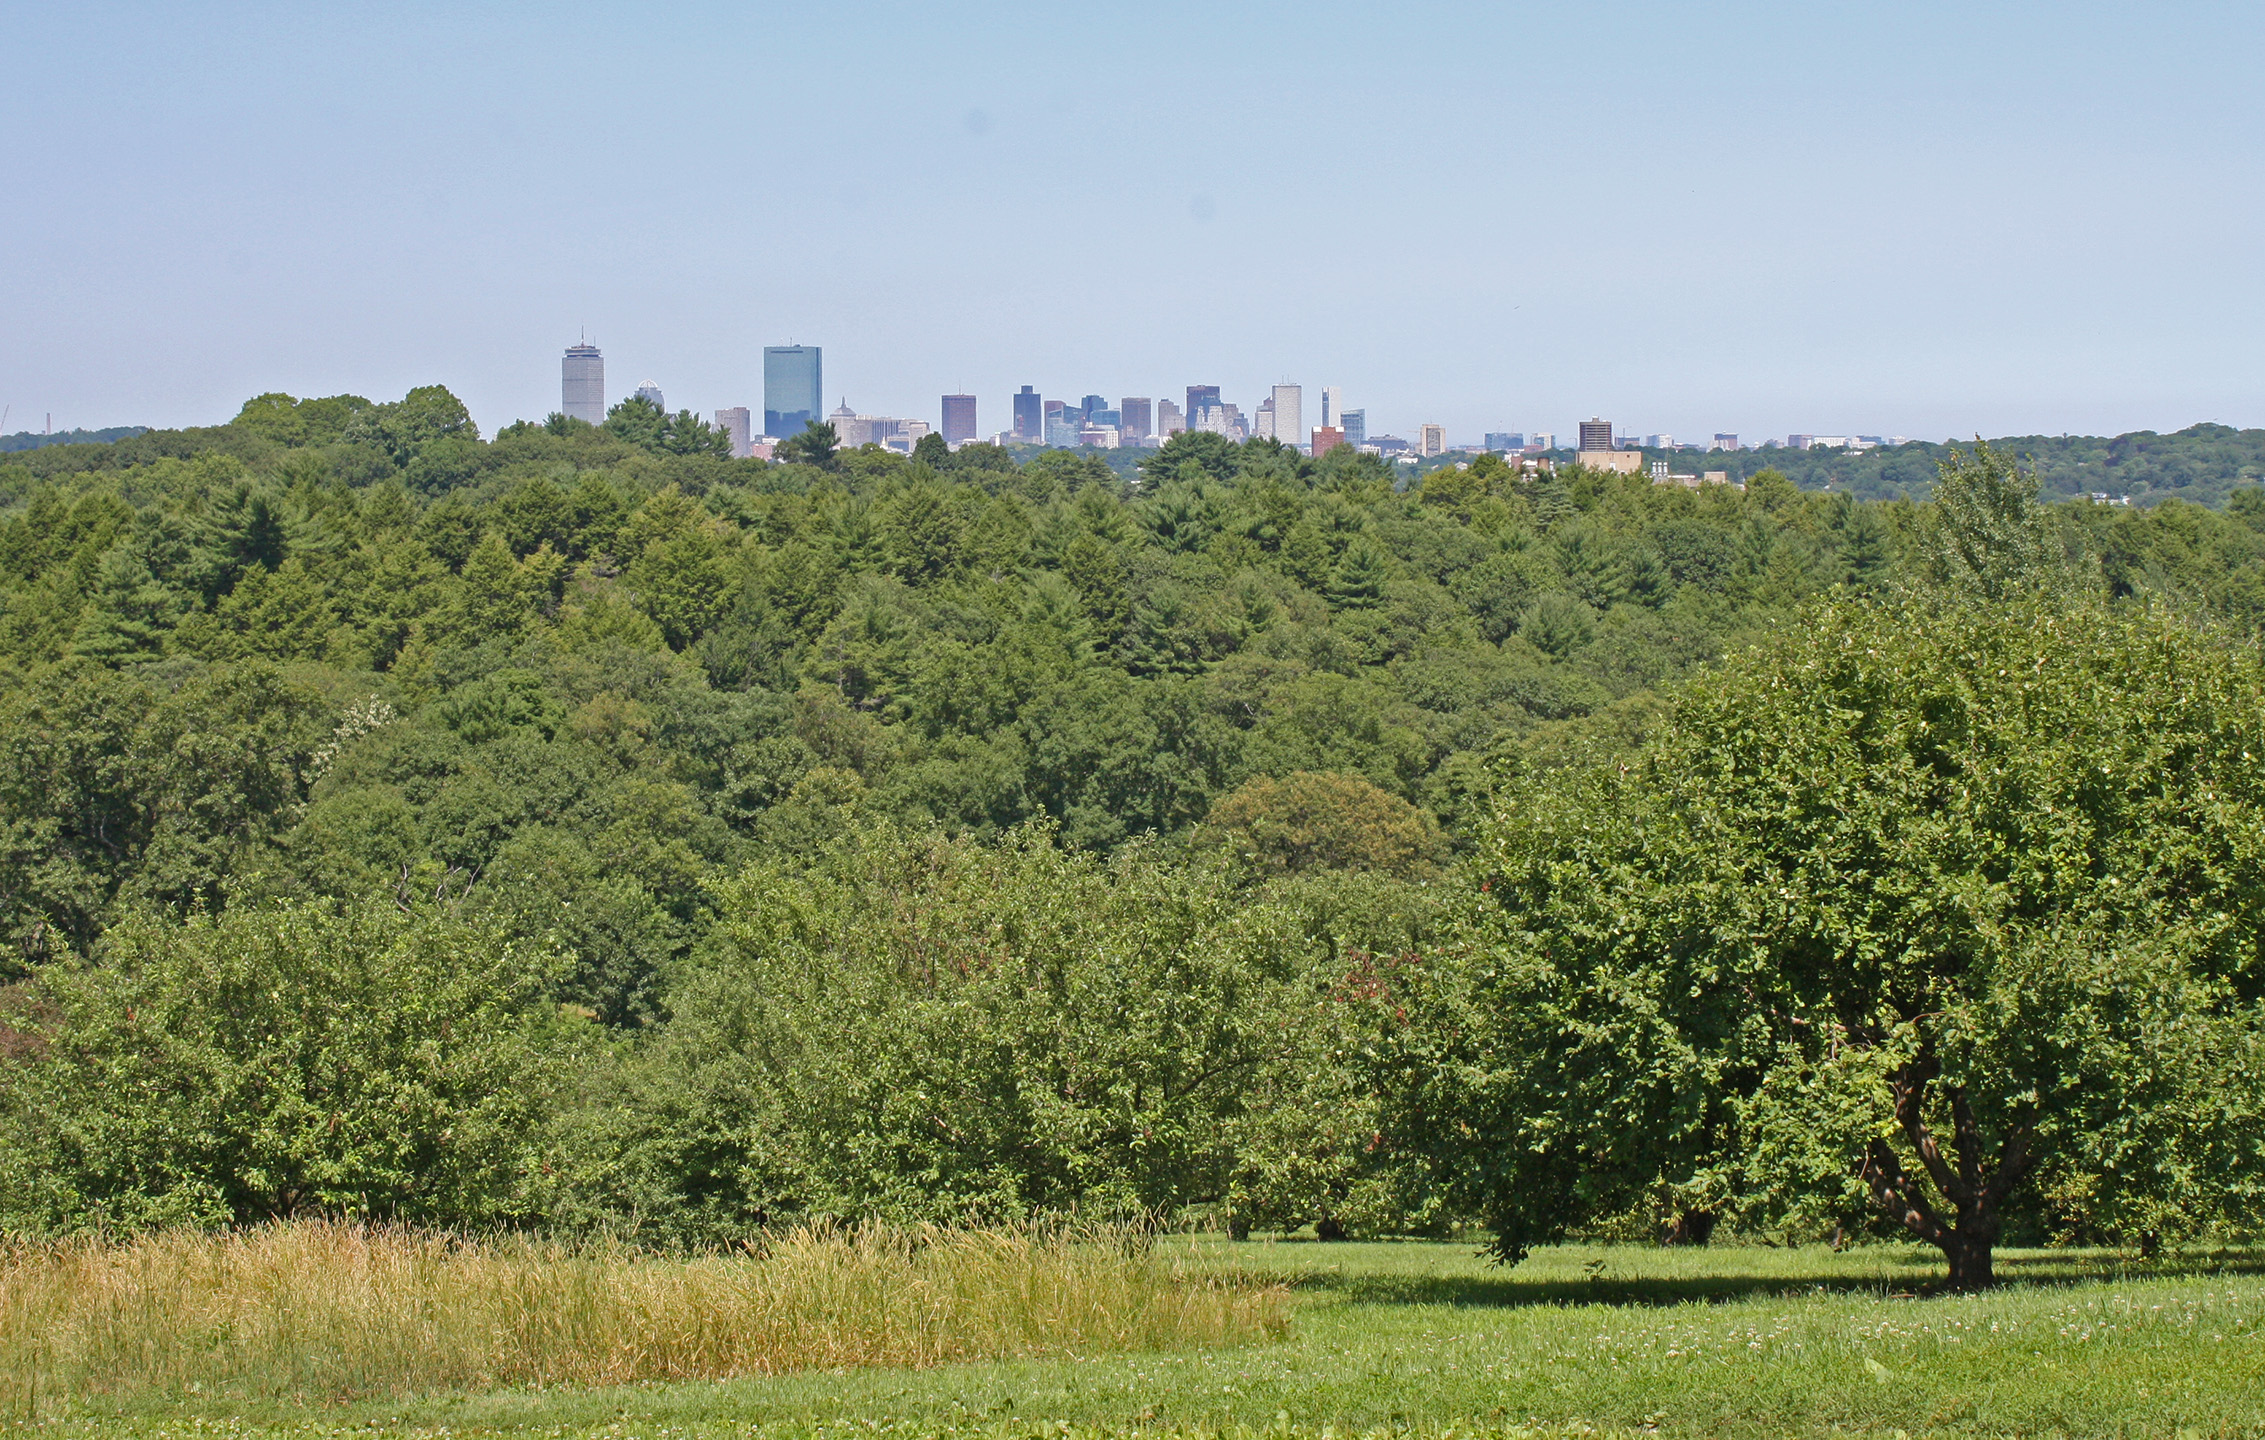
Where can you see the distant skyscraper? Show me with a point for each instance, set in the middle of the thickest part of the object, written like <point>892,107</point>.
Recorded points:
<point>1063,422</point>
<point>793,388</point>
<point>1198,397</point>
<point>734,422</point>
<point>1355,425</point>
<point>1799,442</point>
<point>1725,442</point>
<point>1169,420</point>
<point>652,392</point>
<point>1030,416</point>
<point>1505,440</point>
<point>1431,440</point>
<point>1219,418</point>
<point>1289,415</point>
<point>1262,423</point>
<point>959,420</point>
<point>1326,437</point>
<point>1133,418</point>
<point>1089,404</point>
<point>1333,406</point>
<point>582,384</point>
<point>1596,434</point>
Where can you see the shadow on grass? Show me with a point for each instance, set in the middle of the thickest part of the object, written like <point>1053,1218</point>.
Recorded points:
<point>1915,1278</point>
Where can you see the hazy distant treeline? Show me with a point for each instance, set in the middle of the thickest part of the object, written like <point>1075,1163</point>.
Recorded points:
<point>33,440</point>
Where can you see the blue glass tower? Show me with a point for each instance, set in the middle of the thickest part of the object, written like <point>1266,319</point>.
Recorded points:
<point>793,381</point>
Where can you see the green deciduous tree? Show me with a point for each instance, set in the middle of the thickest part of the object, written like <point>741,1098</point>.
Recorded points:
<point>276,1063</point>
<point>1307,820</point>
<point>1987,537</point>
<point>426,416</point>
<point>1949,911</point>
<point>923,1028</point>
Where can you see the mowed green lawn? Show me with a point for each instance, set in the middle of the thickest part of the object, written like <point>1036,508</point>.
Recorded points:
<point>1424,1336</point>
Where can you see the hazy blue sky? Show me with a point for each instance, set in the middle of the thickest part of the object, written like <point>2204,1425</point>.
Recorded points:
<point>1928,219</point>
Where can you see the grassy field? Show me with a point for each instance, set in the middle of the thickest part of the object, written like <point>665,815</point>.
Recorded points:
<point>318,1314</point>
<point>1425,1337</point>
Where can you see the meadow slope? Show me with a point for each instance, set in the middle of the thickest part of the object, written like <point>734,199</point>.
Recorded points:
<point>1425,1337</point>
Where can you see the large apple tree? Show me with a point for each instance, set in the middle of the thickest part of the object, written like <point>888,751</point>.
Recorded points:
<point>1948,907</point>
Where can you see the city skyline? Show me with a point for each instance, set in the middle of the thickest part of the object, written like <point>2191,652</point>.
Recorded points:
<point>792,374</point>
<point>402,221</point>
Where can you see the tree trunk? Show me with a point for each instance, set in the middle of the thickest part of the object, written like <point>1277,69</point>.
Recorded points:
<point>1970,1260</point>
<point>1974,1190</point>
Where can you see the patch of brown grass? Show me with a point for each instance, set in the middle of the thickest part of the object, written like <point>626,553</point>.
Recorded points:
<point>312,1309</point>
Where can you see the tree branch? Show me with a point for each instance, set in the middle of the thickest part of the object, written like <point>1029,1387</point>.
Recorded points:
<point>1910,1086</point>
<point>1893,1189</point>
<point>1966,1135</point>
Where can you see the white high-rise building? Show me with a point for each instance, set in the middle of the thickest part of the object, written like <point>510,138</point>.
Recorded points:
<point>1262,423</point>
<point>1333,407</point>
<point>1220,418</point>
<point>1431,440</point>
<point>582,384</point>
<point>1289,416</point>
<point>652,392</point>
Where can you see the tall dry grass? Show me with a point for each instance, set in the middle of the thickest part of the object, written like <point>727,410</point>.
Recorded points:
<point>334,1310</point>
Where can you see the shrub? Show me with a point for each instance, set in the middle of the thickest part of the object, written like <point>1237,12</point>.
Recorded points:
<point>279,1062</point>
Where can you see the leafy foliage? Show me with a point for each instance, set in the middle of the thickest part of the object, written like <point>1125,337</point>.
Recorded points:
<point>1335,822</point>
<point>266,1064</point>
<point>931,1029</point>
<point>1947,909</point>
<point>710,752</point>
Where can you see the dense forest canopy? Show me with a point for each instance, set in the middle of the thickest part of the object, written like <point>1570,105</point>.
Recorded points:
<point>921,835</point>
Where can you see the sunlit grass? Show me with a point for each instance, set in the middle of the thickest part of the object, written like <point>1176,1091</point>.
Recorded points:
<point>1429,1340</point>
<point>322,1311</point>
